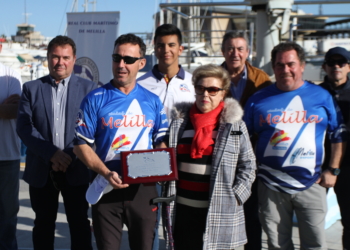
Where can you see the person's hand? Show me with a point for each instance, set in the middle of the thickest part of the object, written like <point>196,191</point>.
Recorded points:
<point>327,179</point>
<point>55,167</point>
<point>12,99</point>
<point>60,161</point>
<point>114,179</point>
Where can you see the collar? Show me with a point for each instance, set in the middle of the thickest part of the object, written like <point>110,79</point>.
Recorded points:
<point>243,74</point>
<point>159,75</point>
<point>231,113</point>
<point>346,85</point>
<point>65,81</point>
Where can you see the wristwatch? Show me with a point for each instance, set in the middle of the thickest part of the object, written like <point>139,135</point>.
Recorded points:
<point>334,171</point>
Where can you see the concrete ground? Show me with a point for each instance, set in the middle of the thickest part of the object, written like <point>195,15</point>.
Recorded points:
<point>62,242</point>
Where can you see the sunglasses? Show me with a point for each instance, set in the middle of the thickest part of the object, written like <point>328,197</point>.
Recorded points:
<point>213,91</point>
<point>127,59</point>
<point>341,62</point>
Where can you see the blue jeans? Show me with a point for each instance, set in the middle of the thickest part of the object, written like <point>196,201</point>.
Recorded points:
<point>9,203</point>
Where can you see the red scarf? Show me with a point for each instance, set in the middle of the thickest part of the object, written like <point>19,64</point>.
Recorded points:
<point>204,124</point>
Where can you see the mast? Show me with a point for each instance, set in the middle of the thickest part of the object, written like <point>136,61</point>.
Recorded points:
<point>86,5</point>
<point>75,6</point>
<point>25,12</point>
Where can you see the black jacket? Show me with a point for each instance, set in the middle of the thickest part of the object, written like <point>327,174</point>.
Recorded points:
<point>342,97</point>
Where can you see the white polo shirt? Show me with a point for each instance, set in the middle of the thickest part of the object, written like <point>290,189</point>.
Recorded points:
<point>179,89</point>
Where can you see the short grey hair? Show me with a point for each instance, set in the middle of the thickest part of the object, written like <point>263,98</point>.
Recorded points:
<point>234,35</point>
<point>212,70</point>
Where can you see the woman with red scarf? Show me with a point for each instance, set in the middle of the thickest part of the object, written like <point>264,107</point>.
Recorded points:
<point>216,166</point>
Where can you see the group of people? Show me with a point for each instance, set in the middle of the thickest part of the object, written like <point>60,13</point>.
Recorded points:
<point>75,131</point>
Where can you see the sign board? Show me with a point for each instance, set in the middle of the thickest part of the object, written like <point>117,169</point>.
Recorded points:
<point>94,34</point>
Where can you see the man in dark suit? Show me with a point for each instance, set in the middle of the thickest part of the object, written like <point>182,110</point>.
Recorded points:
<point>46,125</point>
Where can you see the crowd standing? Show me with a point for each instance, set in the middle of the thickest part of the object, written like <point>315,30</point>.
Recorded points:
<point>74,134</point>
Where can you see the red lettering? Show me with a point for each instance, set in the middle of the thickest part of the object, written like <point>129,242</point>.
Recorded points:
<point>267,120</point>
<point>117,123</point>
<point>149,124</point>
<point>276,119</point>
<point>284,117</point>
<point>110,122</point>
<point>290,117</point>
<point>127,121</point>
<point>142,122</point>
<point>314,118</point>
<point>301,119</point>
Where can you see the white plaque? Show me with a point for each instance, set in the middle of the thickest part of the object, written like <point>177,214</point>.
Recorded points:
<point>155,163</point>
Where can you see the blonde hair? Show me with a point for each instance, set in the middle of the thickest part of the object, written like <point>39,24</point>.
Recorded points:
<point>212,70</point>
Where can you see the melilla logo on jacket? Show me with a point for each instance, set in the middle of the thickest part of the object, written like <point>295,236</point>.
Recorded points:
<point>289,117</point>
<point>293,135</point>
<point>128,128</point>
<point>184,88</point>
<point>127,121</point>
<point>120,141</point>
<point>277,139</point>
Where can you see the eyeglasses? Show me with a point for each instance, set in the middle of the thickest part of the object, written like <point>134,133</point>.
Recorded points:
<point>127,59</point>
<point>213,91</point>
<point>340,62</point>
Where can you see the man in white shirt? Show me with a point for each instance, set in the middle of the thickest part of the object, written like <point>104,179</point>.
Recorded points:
<point>168,79</point>
<point>11,88</point>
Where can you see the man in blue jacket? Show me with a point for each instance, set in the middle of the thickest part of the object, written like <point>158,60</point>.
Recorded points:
<point>46,124</point>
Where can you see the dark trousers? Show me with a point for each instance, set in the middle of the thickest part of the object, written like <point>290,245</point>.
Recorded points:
<point>130,206</point>
<point>45,205</point>
<point>9,204</point>
<point>189,227</point>
<point>342,190</point>
<point>252,223</point>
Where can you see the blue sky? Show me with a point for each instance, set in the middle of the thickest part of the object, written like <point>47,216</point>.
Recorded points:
<point>49,16</point>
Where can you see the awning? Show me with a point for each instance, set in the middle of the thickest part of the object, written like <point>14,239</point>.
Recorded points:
<point>25,58</point>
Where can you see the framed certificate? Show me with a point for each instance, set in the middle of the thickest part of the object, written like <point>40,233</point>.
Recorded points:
<point>153,165</point>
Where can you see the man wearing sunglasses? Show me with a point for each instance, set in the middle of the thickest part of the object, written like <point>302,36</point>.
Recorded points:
<point>121,116</point>
<point>245,81</point>
<point>168,79</point>
<point>337,82</point>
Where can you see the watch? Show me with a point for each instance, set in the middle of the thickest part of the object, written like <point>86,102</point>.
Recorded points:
<point>334,171</point>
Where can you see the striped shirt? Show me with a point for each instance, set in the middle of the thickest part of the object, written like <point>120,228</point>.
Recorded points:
<point>194,174</point>
<point>59,103</point>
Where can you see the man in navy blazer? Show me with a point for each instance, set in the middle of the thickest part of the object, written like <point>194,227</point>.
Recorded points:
<point>46,124</point>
